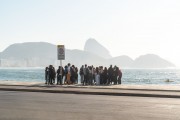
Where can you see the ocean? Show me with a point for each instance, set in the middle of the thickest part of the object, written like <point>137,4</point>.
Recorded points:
<point>130,76</point>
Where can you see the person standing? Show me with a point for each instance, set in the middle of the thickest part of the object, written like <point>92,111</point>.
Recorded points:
<point>50,75</point>
<point>85,71</point>
<point>101,75</point>
<point>69,74</point>
<point>110,74</point>
<point>119,76</point>
<point>46,75</point>
<point>76,75</point>
<point>81,73</point>
<point>60,74</point>
<point>90,76</point>
<point>115,75</point>
<point>73,74</point>
<point>54,74</point>
<point>97,76</point>
<point>105,76</point>
<point>65,74</point>
<point>94,71</point>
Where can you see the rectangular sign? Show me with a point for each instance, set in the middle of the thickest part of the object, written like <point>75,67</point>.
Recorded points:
<point>61,52</point>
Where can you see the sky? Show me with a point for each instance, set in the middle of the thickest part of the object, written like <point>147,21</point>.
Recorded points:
<point>124,27</point>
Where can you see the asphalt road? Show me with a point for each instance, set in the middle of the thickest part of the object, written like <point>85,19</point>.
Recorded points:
<point>54,106</point>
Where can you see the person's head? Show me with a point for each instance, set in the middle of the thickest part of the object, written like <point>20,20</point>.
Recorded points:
<point>50,66</point>
<point>97,68</point>
<point>85,65</point>
<point>117,68</point>
<point>69,64</point>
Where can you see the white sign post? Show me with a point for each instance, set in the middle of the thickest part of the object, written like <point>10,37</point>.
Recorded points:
<point>61,52</point>
<point>61,55</point>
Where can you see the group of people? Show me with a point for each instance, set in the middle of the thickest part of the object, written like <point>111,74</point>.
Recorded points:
<point>89,75</point>
<point>69,74</point>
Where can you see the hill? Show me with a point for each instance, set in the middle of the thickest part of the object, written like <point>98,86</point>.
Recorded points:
<point>122,61</point>
<point>36,54</point>
<point>151,61</point>
<point>92,46</point>
<point>30,50</point>
<point>79,57</point>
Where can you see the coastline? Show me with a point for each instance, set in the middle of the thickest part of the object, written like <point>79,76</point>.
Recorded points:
<point>122,86</point>
<point>8,82</point>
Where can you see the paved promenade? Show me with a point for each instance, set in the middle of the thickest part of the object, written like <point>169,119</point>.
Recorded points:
<point>49,106</point>
<point>75,102</point>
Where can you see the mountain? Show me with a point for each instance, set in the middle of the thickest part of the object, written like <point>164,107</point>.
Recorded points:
<point>30,50</point>
<point>42,54</point>
<point>36,54</point>
<point>29,54</point>
<point>121,61</point>
<point>151,61</point>
<point>94,47</point>
<point>79,57</point>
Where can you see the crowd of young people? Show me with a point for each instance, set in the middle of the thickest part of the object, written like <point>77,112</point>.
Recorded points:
<point>89,75</point>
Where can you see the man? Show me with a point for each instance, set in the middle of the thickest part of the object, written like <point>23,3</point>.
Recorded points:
<point>86,73</point>
<point>119,76</point>
<point>110,74</point>
<point>81,73</point>
<point>69,74</point>
<point>60,74</point>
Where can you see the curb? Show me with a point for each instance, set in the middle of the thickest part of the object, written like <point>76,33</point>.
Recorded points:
<point>92,93</point>
<point>84,87</point>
